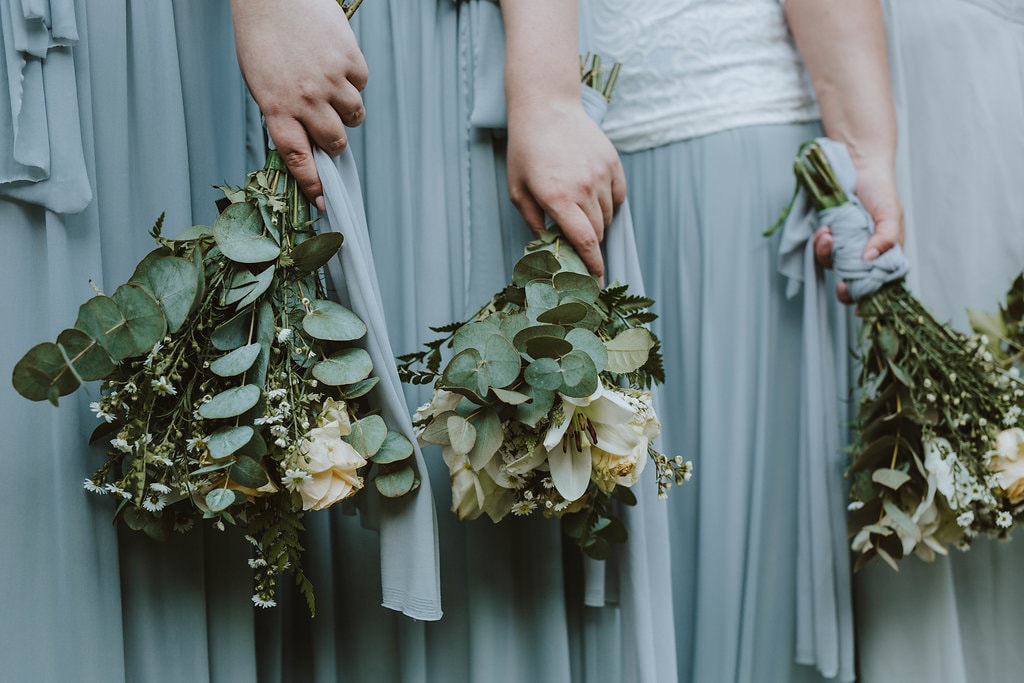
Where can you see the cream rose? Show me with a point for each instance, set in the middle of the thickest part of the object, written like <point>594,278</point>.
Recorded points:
<point>332,464</point>
<point>1008,461</point>
<point>474,493</point>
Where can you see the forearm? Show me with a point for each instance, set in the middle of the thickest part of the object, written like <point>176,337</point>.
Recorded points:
<point>843,45</point>
<point>541,55</point>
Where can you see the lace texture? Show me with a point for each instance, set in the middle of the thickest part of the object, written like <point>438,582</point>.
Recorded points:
<point>696,67</point>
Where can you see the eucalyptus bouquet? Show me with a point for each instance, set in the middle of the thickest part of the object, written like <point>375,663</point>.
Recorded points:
<point>232,386</point>
<point>543,405</point>
<point>932,402</point>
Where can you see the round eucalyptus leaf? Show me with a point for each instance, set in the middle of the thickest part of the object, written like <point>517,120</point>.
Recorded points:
<point>348,366</point>
<point>474,335</point>
<point>579,376</point>
<point>241,236</point>
<point>462,370</point>
<point>256,448</point>
<point>316,251</point>
<point>144,322</point>
<point>159,528</point>
<point>360,388</point>
<point>333,322</point>
<point>524,336</point>
<point>537,408</point>
<point>42,374</point>
<point>576,286</point>
<point>512,398</point>
<point>397,483</point>
<point>87,357</point>
<point>537,265</point>
<point>629,350</point>
<point>541,296</point>
<point>544,373</point>
<point>147,261</point>
<point>228,440</point>
<point>236,362</point>
<point>436,432</point>
<point>461,433</point>
<point>194,233</point>
<point>136,518</point>
<point>511,325</point>
<point>230,403</point>
<point>564,314</point>
<point>501,363</point>
<point>590,344</point>
<point>174,283</point>
<point>547,347</point>
<point>248,473</point>
<point>489,436</point>
<point>233,333</point>
<point>367,435</point>
<point>220,499</point>
<point>252,287</point>
<point>394,449</point>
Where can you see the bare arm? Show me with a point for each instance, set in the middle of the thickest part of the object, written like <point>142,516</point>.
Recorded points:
<point>560,162</point>
<point>303,66</point>
<point>843,46</point>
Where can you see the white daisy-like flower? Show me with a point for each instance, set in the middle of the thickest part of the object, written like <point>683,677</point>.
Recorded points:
<point>279,430</point>
<point>1004,519</point>
<point>266,420</point>
<point>101,413</point>
<point>277,393</point>
<point>155,504</point>
<point>184,525</point>
<point>283,335</point>
<point>562,505</point>
<point>130,388</point>
<point>92,487</point>
<point>523,508</point>
<point>257,562</point>
<point>196,443</point>
<point>118,491</point>
<point>163,460</point>
<point>293,478</point>
<point>965,519</point>
<point>162,386</point>
<point>121,445</point>
<point>157,487</point>
<point>260,602</point>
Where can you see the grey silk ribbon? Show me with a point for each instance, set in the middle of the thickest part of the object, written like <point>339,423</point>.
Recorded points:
<point>410,562</point>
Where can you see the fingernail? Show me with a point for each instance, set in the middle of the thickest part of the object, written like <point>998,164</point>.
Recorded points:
<point>320,203</point>
<point>871,254</point>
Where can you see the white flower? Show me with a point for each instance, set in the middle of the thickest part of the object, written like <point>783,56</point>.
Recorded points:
<point>332,463</point>
<point>855,505</point>
<point>442,401</point>
<point>163,387</point>
<point>130,388</point>
<point>101,413</point>
<point>257,562</point>
<point>1004,519</point>
<point>281,442</point>
<point>293,478</point>
<point>91,486</point>
<point>965,519</point>
<point>1008,461</point>
<point>266,420</point>
<point>260,602</point>
<point>474,493</point>
<point>604,435</point>
<point>283,335</point>
<point>118,491</point>
<point>159,488</point>
<point>155,504</point>
<point>196,443</point>
<point>524,507</point>
<point>277,393</point>
<point>121,445</point>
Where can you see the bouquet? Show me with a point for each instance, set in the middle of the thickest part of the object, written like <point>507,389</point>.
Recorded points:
<point>924,468</point>
<point>544,404</point>
<point>232,388</point>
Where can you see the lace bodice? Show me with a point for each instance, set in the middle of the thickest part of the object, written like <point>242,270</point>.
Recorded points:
<point>695,67</point>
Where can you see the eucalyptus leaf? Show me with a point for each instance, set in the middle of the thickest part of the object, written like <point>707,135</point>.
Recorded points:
<point>462,370</point>
<point>576,286</point>
<point>511,325</point>
<point>86,356</point>
<point>236,362</point>
<point>264,279</point>
<point>359,388</point>
<point>367,435</point>
<point>538,265</point>
<point>523,337</point>
<point>541,296</point>
<point>598,548</point>
<point>629,350</point>
<point>544,373</point>
<point>248,473</point>
<point>394,449</point>
<point>547,347</point>
<point>501,363</point>
<point>212,468</point>
<point>333,322</point>
<point>174,283</point>
<point>590,344</point>
<point>144,323</point>
<point>579,376</point>
<point>901,374</point>
<point>436,432</point>
<point>231,402</point>
<point>265,332</point>
<point>227,440</point>
<point>220,499</point>
<point>474,335</point>
<point>512,398</point>
<point>348,366</point>
<point>461,433</point>
<point>889,341</point>
<point>397,483</point>
<point>568,313</point>
<point>147,261</point>
<point>233,333</point>
<point>195,232</point>
<point>316,251</point>
<point>136,518</point>
<point>240,234</point>
<point>42,374</point>
<point>489,436</point>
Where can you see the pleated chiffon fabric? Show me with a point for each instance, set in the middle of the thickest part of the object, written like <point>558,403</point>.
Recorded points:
<point>959,90</point>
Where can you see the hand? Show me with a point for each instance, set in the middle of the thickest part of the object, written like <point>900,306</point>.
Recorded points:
<point>303,66</point>
<point>561,163</point>
<point>877,192</point>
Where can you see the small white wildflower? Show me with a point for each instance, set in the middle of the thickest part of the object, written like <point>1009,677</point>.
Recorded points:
<point>277,393</point>
<point>1004,519</point>
<point>965,519</point>
<point>260,602</point>
<point>281,442</point>
<point>293,478</point>
<point>159,488</point>
<point>982,422</point>
<point>155,504</point>
<point>527,495</point>
<point>523,508</point>
<point>121,445</point>
<point>678,460</point>
<point>547,483</point>
<point>257,562</point>
<point>130,388</point>
<point>855,505</point>
<point>163,460</point>
<point>162,386</point>
<point>562,505</point>
<point>931,398</point>
<point>548,504</point>
<point>927,383</point>
<point>92,487</point>
<point>101,413</point>
<point>279,430</point>
<point>196,443</point>
<point>118,491</point>
<point>952,377</point>
<point>283,335</point>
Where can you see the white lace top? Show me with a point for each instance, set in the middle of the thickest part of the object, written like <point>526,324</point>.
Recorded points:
<point>695,67</point>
